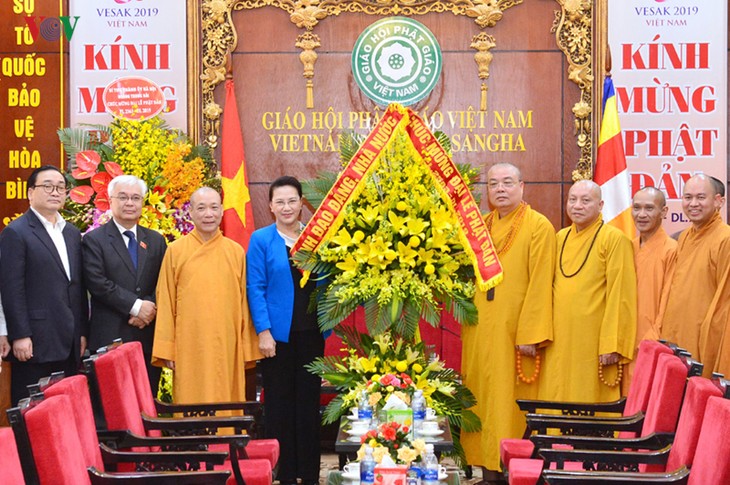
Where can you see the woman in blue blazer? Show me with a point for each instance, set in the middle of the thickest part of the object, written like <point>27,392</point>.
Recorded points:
<point>289,337</point>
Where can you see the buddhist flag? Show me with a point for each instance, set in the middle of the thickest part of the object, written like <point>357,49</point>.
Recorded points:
<point>237,212</point>
<point>611,172</point>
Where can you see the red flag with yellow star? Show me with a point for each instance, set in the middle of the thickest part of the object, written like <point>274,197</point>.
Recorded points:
<point>237,212</point>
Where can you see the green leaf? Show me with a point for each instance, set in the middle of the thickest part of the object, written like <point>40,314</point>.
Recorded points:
<point>349,145</point>
<point>334,411</point>
<point>316,189</point>
<point>330,311</point>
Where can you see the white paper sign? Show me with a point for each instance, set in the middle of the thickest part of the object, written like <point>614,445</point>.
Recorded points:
<point>670,72</point>
<point>122,38</point>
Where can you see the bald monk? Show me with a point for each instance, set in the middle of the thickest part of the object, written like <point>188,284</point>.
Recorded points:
<point>699,296</point>
<point>654,255</point>
<point>514,317</point>
<point>203,330</point>
<point>594,304</point>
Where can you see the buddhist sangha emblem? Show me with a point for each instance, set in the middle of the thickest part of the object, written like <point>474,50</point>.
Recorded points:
<point>396,59</point>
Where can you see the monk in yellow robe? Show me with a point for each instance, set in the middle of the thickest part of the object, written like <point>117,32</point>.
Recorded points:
<point>699,296</point>
<point>514,317</point>
<point>203,330</point>
<point>594,304</point>
<point>654,256</point>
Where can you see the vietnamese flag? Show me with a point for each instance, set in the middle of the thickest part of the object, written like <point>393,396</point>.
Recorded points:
<point>237,211</point>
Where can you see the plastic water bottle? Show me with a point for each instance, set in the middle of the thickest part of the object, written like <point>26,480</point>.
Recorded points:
<point>413,475</point>
<point>418,406</point>
<point>367,468</point>
<point>364,409</point>
<point>430,467</point>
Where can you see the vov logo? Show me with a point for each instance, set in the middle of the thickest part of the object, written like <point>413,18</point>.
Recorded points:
<point>51,28</point>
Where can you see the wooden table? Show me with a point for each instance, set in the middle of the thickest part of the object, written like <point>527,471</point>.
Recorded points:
<point>346,446</point>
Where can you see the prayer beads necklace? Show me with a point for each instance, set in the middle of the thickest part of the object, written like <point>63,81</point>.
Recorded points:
<point>512,234</point>
<point>619,374</point>
<point>562,248</point>
<point>518,363</point>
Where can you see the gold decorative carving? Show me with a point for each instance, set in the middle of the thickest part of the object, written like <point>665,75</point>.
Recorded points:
<point>483,43</point>
<point>307,13</point>
<point>308,42</point>
<point>572,27</point>
<point>573,32</point>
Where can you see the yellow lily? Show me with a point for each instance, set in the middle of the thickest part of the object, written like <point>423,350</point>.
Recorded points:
<point>417,227</point>
<point>406,255</point>
<point>398,223</point>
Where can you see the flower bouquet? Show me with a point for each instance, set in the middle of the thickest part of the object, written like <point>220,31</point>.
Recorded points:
<point>397,251</point>
<point>169,163</point>
<point>388,365</point>
<point>392,439</point>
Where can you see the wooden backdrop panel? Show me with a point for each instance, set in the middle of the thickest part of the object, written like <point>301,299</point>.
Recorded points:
<point>527,82</point>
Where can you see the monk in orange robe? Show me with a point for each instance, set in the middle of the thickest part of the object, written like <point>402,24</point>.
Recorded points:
<point>699,296</point>
<point>654,256</point>
<point>203,331</point>
<point>515,317</point>
<point>594,305</point>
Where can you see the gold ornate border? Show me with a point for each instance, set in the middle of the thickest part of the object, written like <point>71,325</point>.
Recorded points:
<point>573,28</point>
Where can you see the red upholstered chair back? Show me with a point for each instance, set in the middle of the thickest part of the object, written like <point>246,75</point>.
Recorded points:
<point>637,399</point>
<point>667,391</point>
<point>712,459</point>
<point>699,391</point>
<point>55,442</point>
<point>77,390</point>
<point>10,467</point>
<point>135,358</point>
<point>118,398</point>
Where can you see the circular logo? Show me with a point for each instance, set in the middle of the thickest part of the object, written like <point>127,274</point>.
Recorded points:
<point>396,60</point>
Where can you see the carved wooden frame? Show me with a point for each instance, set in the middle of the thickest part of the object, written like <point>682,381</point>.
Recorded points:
<point>213,37</point>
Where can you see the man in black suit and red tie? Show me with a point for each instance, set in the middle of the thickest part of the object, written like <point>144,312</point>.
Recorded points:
<point>121,264</point>
<point>41,283</point>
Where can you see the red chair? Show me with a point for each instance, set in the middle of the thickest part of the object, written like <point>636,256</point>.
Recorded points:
<point>267,449</point>
<point>709,467</point>
<point>638,454</point>
<point>58,453</point>
<point>636,401</point>
<point>12,471</point>
<point>112,377</point>
<point>661,417</point>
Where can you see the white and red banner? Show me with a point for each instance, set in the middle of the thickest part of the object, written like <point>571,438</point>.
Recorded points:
<point>670,75</point>
<point>117,39</point>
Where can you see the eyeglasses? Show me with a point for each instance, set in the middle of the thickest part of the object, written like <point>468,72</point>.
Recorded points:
<point>125,198</point>
<point>280,204</point>
<point>507,184</point>
<point>49,188</point>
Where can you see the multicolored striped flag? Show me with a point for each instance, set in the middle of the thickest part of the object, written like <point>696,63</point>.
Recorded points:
<point>237,212</point>
<point>611,172</point>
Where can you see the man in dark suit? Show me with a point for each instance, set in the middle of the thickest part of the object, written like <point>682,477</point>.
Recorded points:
<point>121,264</point>
<point>41,282</point>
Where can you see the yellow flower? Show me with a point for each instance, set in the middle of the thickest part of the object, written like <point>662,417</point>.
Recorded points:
<point>416,227</point>
<point>401,206</point>
<point>349,264</point>
<point>379,452</point>
<point>417,367</point>
<point>401,366</point>
<point>406,255</point>
<point>370,214</point>
<point>368,365</point>
<point>397,222</point>
<point>407,454</point>
<point>374,398</point>
<point>419,445</point>
<point>343,239</point>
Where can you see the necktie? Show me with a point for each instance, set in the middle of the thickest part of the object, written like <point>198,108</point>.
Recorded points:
<point>132,247</point>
